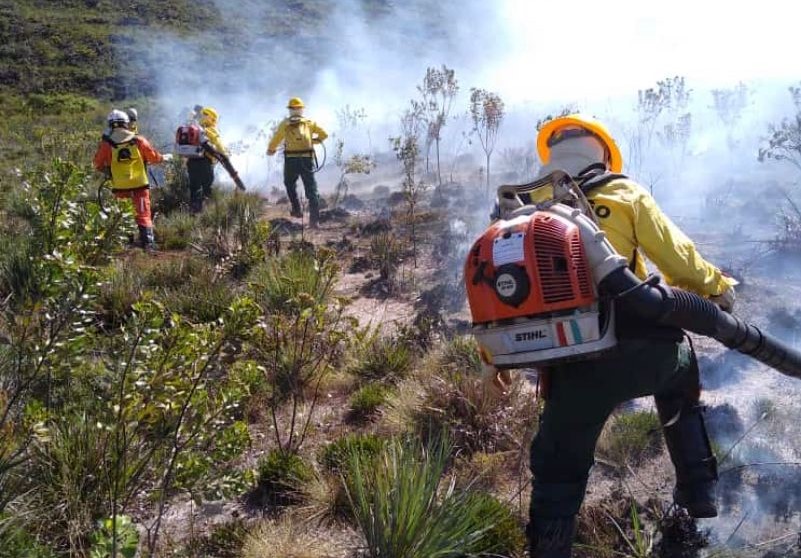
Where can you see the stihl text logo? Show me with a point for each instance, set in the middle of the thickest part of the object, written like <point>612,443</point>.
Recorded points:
<point>530,336</point>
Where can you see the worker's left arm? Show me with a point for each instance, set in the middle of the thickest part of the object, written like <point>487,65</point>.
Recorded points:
<point>673,252</point>
<point>149,153</point>
<point>318,134</point>
<point>213,137</point>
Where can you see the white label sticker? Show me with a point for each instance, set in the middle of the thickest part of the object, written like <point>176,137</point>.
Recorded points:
<point>506,285</point>
<point>508,250</point>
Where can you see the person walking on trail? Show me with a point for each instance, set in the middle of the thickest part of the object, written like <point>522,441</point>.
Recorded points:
<point>299,135</point>
<point>650,360</point>
<point>124,155</point>
<point>201,168</point>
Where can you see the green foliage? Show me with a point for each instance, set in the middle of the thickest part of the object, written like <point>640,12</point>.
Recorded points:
<point>174,232</point>
<point>386,253</point>
<point>366,401</point>
<point>302,333</point>
<point>16,542</point>
<point>203,298</point>
<point>632,437</point>
<point>383,358</point>
<point>784,138</point>
<point>120,290</point>
<point>281,477</point>
<point>225,540</point>
<point>115,537</point>
<point>285,283</point>
<point>404,507</point>
<point>336,455</point>
<point>505,537</point>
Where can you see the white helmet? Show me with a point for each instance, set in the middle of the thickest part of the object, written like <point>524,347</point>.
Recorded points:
<point>117,118</point>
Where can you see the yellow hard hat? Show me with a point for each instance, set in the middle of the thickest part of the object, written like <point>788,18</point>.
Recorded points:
<point>295,103</point>
<point>209,115</point>
<point>550,134</point>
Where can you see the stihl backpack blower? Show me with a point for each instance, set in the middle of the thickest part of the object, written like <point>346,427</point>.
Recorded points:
<point>191,143</point>
<point>544,285</point>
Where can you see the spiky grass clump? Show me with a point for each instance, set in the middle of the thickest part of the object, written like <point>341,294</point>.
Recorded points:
<point>286,538</point>
<point>174,232</point>
<point>384,358</point>
<point>366,401</point>
<point>335,456</point>
<point>402,508</point>
<point>281,476</point>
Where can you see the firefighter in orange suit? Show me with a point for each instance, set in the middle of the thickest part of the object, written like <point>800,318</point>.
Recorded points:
<point>125,156</point>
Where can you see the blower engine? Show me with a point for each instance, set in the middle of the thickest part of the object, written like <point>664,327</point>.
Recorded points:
<point>544,284</point>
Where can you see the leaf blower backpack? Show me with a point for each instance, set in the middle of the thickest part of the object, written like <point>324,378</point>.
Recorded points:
<point>189,140</point>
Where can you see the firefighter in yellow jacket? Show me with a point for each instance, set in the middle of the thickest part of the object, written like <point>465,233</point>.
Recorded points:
<point>650,360</point>
<point>299,135</point>
<point>201,169</point>
<point>125,156</point>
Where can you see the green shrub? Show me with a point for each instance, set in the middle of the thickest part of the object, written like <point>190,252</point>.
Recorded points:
<point>175,272</point>
<point>384,358</point>
<point>174,232</point>
<point>69,495</point>
<point>281,476</point>
<point>174,192</point>
<point>281,281</point>
<point>631,437</point>
<point>203,298</point>
<point>16,542</point>
<point>386,253</point>
<point>365,402</point>
<point>120,290</point>
<point>334,457</point>
<point>505,537</point>
<point>401,510</point>
<point>58,103</point>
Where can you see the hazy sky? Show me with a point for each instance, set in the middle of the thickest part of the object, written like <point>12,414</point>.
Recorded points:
<point>607,48</point>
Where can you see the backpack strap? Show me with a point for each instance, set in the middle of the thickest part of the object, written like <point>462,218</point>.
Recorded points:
<point>595,176</point>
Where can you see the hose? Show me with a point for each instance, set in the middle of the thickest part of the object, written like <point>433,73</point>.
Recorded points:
<point>226,164</point>
<point>317,165</point>
<point>685,310</point>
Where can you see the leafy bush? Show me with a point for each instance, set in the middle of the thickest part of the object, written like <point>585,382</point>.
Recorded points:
<point>402,509</point>
<point>335,456</point>
<point>281,477</point>
<point>365,402</point>
<point>631,437</point>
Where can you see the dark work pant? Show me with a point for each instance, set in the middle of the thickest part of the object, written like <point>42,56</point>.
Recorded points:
<point>201,177</point>
<point>302,167</point>
<point>581,397</point>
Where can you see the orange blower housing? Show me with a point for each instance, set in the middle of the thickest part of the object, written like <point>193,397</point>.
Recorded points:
<point>531,293</point>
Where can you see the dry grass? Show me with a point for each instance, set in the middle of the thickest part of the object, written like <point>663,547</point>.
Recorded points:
<point>287,537</point>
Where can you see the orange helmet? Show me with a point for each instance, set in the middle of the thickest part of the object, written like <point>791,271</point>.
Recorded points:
<point>560,128</point>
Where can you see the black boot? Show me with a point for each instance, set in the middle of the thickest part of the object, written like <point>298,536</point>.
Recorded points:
<point>147,239</point>
<point>293,200</point>
<point>551,537</point>
<point>688,444</point>
<point>314,213</point>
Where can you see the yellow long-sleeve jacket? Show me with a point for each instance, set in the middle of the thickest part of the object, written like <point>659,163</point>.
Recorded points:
<point>636,227</point>
<point>213,137</point>
<point>299,134</point>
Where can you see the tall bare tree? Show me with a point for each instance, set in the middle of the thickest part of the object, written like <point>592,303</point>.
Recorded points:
<point>487,112</point>
<point>437,92</point>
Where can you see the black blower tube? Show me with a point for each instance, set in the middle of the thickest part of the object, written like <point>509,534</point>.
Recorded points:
<point>678,308</point>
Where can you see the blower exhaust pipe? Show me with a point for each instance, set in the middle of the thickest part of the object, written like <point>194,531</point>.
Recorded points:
<point>688,311</point>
